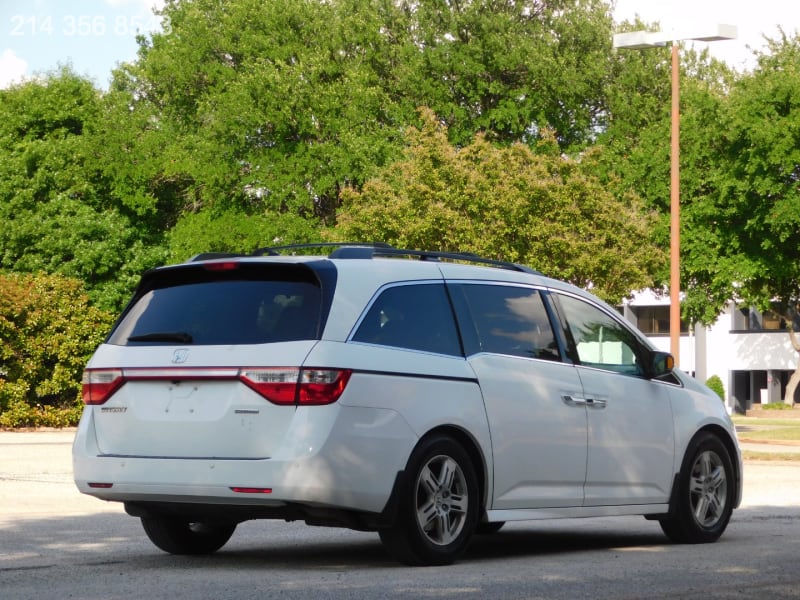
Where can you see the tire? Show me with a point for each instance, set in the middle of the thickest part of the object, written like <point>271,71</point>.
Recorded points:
<point>438,505</point>
<point>705,495</point>
<point>187,537</point>
<point>489,528</point>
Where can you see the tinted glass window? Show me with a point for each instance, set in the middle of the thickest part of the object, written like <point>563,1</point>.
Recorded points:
<point>510,320</point>
<point>417,317</point>
<point>599,339</point>
<point>227,311</point>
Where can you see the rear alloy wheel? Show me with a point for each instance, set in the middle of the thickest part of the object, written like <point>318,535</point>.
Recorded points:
<point>438,505</point>
<point>705,494</point>
<point>187,537</point>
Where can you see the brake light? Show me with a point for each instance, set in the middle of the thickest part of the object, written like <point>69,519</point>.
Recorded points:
<point>306,387</point>
<point>98,385</point>
<point>321,386</point>
<point>226,265</point>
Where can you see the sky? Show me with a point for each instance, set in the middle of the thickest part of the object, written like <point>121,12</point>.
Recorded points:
<point>753,19</point>
<point>94,36</point>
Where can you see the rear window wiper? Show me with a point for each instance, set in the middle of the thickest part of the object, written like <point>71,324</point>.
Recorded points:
<point>163,336</point>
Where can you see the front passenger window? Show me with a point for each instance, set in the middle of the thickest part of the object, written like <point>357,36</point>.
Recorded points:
<point>599,339</point>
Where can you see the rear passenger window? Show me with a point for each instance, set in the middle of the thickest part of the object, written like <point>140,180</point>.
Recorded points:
<point>509,320</point>
<point>417,317</point>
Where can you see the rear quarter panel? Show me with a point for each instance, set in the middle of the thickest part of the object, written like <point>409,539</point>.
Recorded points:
<point>426,391</point>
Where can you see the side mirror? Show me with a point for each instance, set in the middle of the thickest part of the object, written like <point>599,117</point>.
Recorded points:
<point>662,363</point>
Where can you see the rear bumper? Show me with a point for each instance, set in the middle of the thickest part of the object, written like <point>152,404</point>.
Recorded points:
<point>352,467</point>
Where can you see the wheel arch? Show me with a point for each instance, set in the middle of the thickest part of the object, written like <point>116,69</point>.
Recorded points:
<point>724,436</point>
<point>476,455</point>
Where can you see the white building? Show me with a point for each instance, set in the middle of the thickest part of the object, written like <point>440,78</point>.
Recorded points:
<point>750,351</point>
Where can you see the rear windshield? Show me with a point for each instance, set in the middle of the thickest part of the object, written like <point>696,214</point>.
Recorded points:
<point>244,306</point>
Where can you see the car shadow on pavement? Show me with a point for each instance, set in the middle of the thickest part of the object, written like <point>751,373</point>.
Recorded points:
<point>113,538</point>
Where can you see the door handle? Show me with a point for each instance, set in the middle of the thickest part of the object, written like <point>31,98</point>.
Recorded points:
<point>570,400</point>
<point>595,403</point>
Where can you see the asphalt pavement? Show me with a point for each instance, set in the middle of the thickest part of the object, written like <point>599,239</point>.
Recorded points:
<point>56,543</point>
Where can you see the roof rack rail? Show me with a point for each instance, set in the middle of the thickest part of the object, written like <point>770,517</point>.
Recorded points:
<point>278,250</point>
<point>370,251</point>
<point>214,255</point>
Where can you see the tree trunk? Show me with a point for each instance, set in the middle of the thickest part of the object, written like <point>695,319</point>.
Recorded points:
<point>794,380</point>
<point>792,386</point>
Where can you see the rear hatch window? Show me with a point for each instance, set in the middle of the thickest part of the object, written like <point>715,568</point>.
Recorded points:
<point>222,304</point>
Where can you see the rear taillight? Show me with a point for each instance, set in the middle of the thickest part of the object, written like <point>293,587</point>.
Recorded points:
<point>98,385</point>
<point>305,387</point>
<point>280,385</point>
<point>321,386</point>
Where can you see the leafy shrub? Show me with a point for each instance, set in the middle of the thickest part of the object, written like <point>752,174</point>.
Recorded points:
<point>715,383</point>
<point>48,331</point>
<point>776,406</point>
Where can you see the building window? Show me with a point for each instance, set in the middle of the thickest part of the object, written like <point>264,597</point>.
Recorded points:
<point>772,320</point>
<point>654,320</point>
<point>750,319</point>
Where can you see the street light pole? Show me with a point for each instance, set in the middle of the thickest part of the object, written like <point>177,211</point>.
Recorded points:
<point>675,212</point>
<point>653,39</point>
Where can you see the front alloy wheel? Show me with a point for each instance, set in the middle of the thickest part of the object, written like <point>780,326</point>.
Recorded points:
<point>708,489</point>
<point>705,494</point>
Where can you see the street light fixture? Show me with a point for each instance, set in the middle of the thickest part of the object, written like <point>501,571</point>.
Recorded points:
<point>637,40</point>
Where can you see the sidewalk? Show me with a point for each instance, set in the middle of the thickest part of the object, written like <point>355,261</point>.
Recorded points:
<point>775,448</point>
<point>35,469</point>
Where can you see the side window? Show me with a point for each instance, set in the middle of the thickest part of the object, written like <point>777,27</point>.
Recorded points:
<point>599,339</point>
<point>418,317</point>
<point>509,320</point>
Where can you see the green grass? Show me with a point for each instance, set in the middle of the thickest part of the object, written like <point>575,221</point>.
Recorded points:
<point>758,421</point>
<point>777,430</point>
<point>776,406</point>
<point>777,434</point>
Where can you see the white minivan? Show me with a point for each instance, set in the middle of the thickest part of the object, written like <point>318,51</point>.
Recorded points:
<point>423,395</point>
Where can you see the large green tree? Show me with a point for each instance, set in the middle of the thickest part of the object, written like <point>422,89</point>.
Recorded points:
<point>750,218</point>
<point>56,211</point>
<point>538,208</point>
<point>270,108</point>
<point>511,69</point>
<point>740,201</point>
